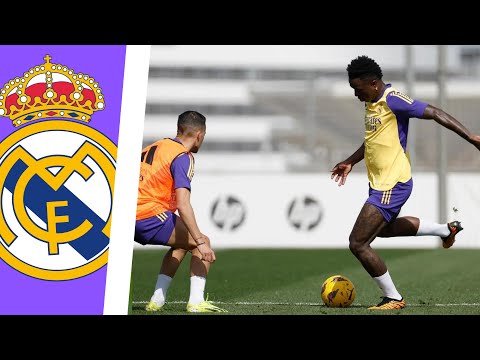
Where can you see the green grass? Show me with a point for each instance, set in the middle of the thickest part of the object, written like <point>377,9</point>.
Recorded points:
<point>288,282</point>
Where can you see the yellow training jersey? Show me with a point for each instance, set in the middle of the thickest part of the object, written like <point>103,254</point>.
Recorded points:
<point>386,131</point>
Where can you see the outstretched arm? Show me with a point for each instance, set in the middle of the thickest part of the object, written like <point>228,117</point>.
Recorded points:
<point>448,121</point>
<point>342,169</point>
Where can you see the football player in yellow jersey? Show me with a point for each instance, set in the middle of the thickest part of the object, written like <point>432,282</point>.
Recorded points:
<point>166,172</point>
<point>387,114</point>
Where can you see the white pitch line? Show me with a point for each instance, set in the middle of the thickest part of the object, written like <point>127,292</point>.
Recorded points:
<point>300,303</point>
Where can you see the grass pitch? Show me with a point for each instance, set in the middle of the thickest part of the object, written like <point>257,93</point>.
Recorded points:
<point>288,282</point>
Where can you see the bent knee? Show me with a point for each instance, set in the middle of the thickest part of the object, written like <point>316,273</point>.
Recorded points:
<point>356,246</point>
<point>180,251</point>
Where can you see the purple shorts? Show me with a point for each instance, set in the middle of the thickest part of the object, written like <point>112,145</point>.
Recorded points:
<point>390,202</point>
<point>155,230</point>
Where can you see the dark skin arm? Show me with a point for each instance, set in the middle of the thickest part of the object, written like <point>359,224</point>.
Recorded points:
<point>449,122</point>
<point>342,169</point>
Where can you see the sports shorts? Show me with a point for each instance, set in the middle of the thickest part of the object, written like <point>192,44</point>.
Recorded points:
<point>390,202</point>
<point>155,230</point>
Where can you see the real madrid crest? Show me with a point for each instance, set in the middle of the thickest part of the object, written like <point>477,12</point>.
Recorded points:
<point>56,175</point>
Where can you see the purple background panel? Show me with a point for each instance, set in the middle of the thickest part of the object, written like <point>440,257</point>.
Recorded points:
<point>21,294</point>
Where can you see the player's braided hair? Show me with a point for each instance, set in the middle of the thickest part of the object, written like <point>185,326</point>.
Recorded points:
<point>189,121</point>
<point>364,67</point>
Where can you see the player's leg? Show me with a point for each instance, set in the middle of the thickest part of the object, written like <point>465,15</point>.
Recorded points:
<point>393,200</point>
<point>174,233</point>
<point>198,276</point>
<point>413,226</point>
<point>181,238</point>
<point>369,223</point>
<point>402,226</point>
<point>171,261</point>
<point>170,264</point>
<point>381,209</point>
<point>159,230</point>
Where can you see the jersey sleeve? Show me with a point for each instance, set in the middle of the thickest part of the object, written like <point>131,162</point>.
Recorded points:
<point>404,106</point>
<point>182,169</point>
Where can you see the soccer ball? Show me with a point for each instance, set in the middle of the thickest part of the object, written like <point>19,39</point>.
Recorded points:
<point>338,291</point>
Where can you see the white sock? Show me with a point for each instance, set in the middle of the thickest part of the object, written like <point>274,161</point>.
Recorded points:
<point>385,283</point>
<point>430,228</point>
<point>161,287</point>
<point>197,287</point>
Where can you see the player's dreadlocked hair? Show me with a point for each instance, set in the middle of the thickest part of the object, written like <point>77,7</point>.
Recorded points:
<point>190,121</point>
<point>363,67</point>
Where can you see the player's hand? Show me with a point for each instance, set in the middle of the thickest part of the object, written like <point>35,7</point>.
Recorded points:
<point>340,172</point>
<point>475,140</point>
<point>207,252</point>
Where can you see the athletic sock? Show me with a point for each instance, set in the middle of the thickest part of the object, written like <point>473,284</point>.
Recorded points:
<point>385,283</point>
<point>197,288</point>
<point>161,288</point>
<point>430,228</point>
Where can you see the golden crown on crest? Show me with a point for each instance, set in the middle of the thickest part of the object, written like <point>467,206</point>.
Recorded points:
<point>50,91</point>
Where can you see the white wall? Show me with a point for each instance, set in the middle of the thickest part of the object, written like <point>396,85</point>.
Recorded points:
<point>463,192</point>
<point>265,200</point>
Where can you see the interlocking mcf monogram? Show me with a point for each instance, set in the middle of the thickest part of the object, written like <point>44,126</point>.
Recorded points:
<point>69,165</point>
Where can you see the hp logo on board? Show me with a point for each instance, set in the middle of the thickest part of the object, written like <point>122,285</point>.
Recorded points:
<point>304,213</point>
<point>228,213</point>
